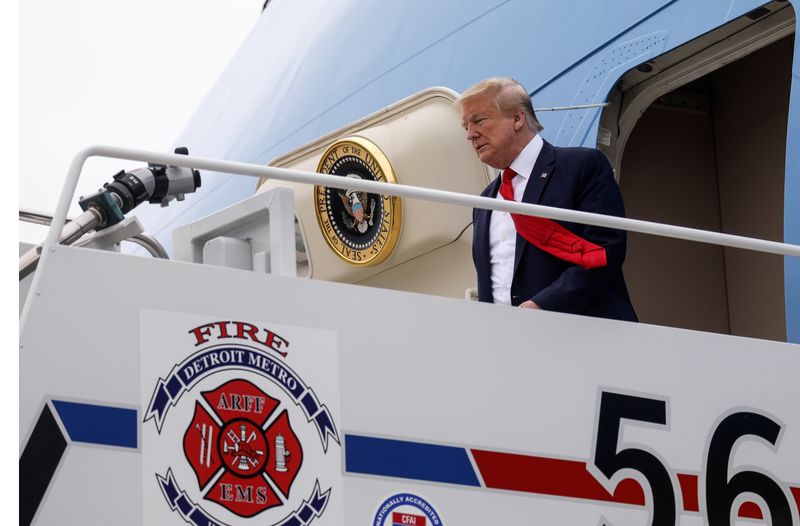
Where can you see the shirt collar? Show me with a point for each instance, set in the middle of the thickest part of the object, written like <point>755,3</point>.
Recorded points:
<point>523,164</point>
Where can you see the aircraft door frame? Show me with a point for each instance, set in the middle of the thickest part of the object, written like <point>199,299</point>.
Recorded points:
<point>640,87</point>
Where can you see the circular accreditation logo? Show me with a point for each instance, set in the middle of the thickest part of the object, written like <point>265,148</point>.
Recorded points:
<point>406,509</point>
<point>362,228</point>
<point>244,437</point>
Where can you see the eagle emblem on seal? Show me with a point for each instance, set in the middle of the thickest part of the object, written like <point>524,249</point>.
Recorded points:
<point>362,228</point>
<point>355,216</point>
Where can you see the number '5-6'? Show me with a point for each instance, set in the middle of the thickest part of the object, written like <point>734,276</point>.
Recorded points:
<point>720,491</point>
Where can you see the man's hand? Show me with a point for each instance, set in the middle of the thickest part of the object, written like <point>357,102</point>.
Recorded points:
<point>529,305</point>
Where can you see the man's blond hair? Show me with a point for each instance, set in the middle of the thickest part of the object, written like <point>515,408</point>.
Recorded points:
<point>509,95</point>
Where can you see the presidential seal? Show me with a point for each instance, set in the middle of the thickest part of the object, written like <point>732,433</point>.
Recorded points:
<point>362,228</point>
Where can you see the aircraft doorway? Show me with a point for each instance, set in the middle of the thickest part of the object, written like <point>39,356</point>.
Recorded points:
<point>710,154</point>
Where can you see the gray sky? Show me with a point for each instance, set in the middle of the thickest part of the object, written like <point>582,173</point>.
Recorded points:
<point>98,72</point>
<point>111,72</point>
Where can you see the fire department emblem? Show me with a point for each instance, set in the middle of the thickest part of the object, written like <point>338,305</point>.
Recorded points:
<point>252,434</point>
<point>243,450</point>
<point>362,228</point>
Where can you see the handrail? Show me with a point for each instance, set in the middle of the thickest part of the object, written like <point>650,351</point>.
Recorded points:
<point>427,194</point>
<point>150,244</point>
<point>144,240</point>
<point>36,218</point>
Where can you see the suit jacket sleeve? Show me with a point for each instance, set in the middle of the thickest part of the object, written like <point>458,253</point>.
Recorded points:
<point>595,191</point>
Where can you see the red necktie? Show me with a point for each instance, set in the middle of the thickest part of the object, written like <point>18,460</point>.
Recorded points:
<point>552,237</point>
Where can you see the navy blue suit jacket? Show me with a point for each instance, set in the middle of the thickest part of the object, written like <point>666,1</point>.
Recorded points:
<point>578,179</point>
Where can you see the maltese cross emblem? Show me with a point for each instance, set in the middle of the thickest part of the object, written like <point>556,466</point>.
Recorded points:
<point>242,449</point>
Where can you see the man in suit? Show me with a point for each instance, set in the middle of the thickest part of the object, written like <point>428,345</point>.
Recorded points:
<point>515,262</point>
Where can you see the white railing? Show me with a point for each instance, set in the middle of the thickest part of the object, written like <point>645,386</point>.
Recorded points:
<point>441,196</point>
<point>146,241</point>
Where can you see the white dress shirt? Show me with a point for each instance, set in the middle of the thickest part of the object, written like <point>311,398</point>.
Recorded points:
<point>502,233</point>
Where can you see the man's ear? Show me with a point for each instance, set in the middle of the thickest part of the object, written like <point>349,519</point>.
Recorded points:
<point>519,120</point>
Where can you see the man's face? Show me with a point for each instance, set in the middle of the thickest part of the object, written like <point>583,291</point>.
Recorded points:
<point>491,133</point>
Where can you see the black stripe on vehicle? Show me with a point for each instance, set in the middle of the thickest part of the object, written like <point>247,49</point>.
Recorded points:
<point>38,464</point>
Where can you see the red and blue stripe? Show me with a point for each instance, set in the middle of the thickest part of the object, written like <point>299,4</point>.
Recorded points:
<point>540,475</point>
